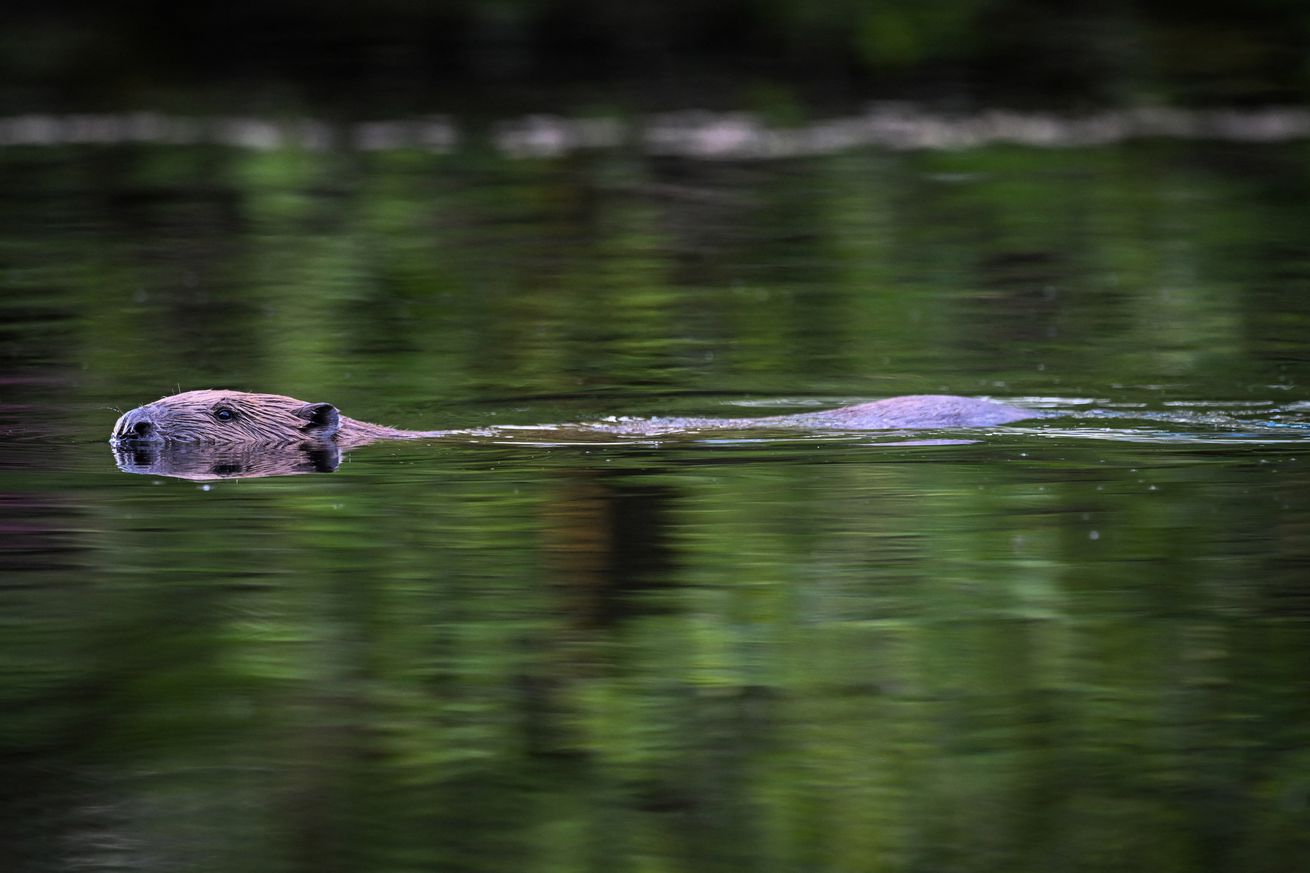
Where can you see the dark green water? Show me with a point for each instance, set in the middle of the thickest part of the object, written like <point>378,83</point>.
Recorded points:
<point>1076,644</point>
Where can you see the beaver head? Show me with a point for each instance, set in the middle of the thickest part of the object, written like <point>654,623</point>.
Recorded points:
<point>215,417</point>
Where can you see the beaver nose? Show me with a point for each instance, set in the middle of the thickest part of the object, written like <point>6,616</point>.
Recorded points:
<point>136,426</point>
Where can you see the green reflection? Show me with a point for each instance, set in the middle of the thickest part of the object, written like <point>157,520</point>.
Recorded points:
<point>1025,654</point>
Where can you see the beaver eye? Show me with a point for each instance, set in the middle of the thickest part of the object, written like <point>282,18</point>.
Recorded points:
<point>224,414</point>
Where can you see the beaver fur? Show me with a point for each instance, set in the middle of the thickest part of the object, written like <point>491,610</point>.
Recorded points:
<point>221,417</point>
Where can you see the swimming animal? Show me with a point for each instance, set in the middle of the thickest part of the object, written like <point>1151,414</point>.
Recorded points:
<point>215,417</point>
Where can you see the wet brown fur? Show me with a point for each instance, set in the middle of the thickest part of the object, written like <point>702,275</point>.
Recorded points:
<point>256,419</point>
<point>197,417</point>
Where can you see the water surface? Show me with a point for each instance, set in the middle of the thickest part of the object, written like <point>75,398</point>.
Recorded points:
<point>1077,643</point>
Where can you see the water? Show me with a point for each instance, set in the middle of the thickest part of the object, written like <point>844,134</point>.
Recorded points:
<point>1077,643</point>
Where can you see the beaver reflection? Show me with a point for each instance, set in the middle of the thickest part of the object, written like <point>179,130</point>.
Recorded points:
<point>202,463</point>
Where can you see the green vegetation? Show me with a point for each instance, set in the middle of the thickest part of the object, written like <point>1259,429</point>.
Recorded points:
<point>407,53</point>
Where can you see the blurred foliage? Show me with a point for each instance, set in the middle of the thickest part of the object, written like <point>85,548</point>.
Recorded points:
<point>405,54</point>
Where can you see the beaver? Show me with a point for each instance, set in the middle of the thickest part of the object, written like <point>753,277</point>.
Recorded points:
<point>238,418</point>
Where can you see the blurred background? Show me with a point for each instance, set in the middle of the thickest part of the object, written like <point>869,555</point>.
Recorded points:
<point>398,56</point>
<point>1081,643</point>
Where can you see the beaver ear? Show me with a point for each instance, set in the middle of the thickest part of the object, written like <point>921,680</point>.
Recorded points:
<point>323,419</point>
